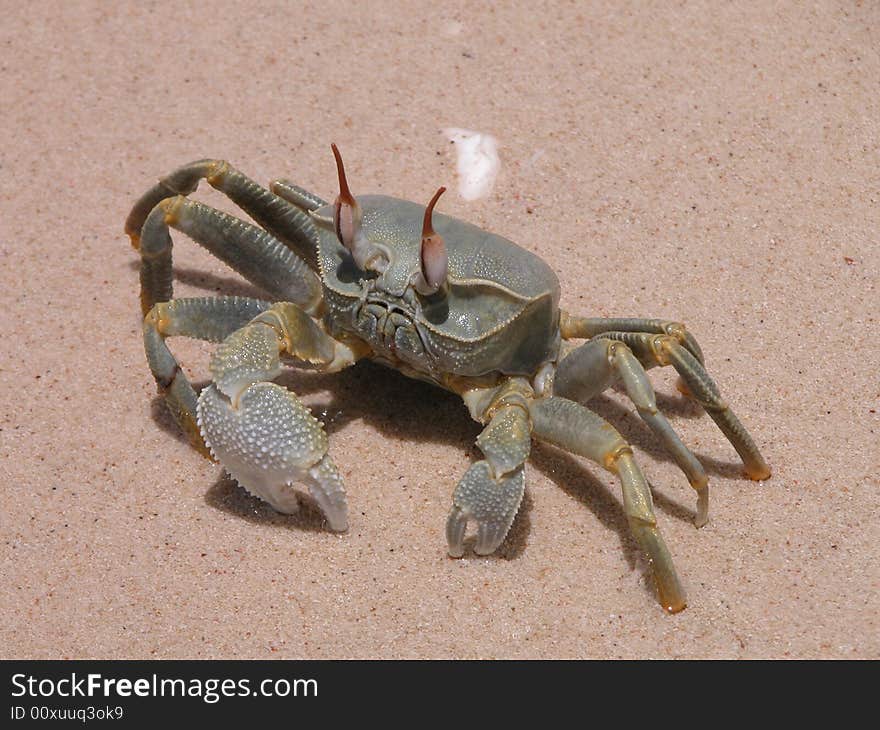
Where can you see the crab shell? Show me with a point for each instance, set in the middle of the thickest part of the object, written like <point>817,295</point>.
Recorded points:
<point>498,312</point>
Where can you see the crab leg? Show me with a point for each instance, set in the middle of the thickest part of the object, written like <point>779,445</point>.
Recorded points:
<point>259,431</point>
<point>570,426</point>
<point>256,254</point>
<point>285,221</point>
<point>574,327</point>
<point>491,490</point>
<point>206,318</point>
<point>300,197</point>
<point>666,350</point>
<point>591,368</point>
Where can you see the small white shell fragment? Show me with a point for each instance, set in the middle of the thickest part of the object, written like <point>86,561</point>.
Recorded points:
<point>478,162</point>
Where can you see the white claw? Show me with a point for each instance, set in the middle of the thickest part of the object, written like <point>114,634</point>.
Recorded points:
<point>325,486</point>
<point>269,442</point>
<point>456,525</point>
<point>491,504</point>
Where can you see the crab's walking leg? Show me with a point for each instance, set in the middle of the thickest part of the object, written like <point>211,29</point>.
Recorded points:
<point>256,254</point>
<point>261,433</point>
<point>491,490</point>
<point>285,220</point>
<point>570,426</point>
<point>666,350</point>
<point>300,197</point>
<point>205,318</point>
<point>591,368</point>
<point>661,342</point>
<point>574,327</point>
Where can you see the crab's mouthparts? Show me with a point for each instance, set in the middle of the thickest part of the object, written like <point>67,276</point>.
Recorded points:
<point>392,304</point>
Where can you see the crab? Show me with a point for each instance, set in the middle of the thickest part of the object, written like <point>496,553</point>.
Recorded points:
<point>435,298</point>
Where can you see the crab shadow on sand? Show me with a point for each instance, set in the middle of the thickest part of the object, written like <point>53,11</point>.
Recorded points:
<point>411,412</point>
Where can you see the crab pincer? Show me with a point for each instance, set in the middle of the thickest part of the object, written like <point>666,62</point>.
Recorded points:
<point>261,433</point>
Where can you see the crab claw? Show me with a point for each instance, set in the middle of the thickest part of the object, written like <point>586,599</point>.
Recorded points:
<point>267,442</point>
<point>493,504</point>
<point>348,222</point>
<point>491,490</point>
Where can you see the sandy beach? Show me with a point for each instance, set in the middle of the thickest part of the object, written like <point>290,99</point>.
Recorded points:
<point>718,166</point>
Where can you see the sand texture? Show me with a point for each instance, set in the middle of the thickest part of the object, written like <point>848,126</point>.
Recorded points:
<point>714,164</point>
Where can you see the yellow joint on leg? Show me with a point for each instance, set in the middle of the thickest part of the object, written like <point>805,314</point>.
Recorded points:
<point>611,352</point>
<point>217,173</point>
<point>273,320</point>
<point>660,348</point>
<point>293,329</point>
<point>566,328</point>
<point>172,207</point>
<point>517,393</point>
<point>676,330</point>
<point>158,317</point>
<point>611,458</point>
<point>511,400</point>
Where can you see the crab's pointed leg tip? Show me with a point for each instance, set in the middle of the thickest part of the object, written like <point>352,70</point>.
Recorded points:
<point>675,607</point>
<point>758,472</point>
<point>670,593</point>
<point>702,514</point>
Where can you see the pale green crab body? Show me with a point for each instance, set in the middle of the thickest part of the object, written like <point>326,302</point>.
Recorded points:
<point>499,314</point>
<point>435,298</point>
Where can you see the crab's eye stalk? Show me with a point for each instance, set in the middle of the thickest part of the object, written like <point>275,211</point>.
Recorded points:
<point>347,220</point>
<point>434,259</point>
<point>346,211</point>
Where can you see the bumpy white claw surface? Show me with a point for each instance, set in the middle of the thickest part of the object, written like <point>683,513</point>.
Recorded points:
<point>247,356</point>
<point>270,441</point>
<point>492,504</point>
<point>506,441</point>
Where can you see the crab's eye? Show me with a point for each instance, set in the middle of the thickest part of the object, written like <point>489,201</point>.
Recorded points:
<point>434,259</point>
<point>347,220</point>
<point>346,211</point>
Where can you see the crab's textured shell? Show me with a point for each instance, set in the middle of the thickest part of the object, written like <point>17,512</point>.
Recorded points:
<point>501,309</point>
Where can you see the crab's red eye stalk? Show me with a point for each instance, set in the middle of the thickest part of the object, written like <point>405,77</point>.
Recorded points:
<point>347,220</point>
<point>346,211</point>
<point>434,259</point>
